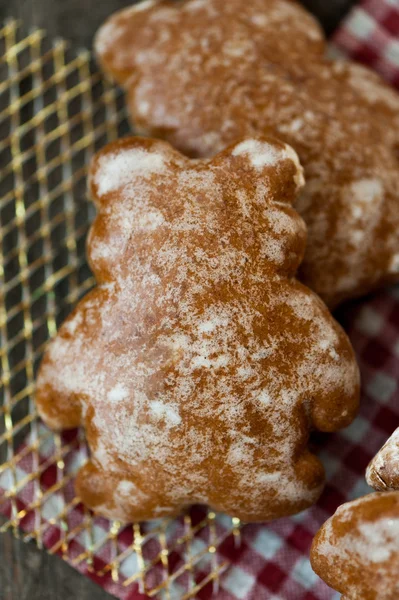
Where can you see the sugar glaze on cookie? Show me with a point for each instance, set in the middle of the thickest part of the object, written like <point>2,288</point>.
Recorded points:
<point>198,365</point>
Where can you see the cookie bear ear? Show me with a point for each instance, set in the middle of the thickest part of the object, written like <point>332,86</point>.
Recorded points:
<point>262,160</point>
<point>119,164</point>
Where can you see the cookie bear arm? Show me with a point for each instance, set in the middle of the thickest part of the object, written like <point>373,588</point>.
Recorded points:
<point>59,392</point>
<point>338,399</point>
<point>122,496</point>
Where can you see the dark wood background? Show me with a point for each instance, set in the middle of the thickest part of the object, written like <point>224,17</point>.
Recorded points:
<point>77,20</point>
<point>25,572</point>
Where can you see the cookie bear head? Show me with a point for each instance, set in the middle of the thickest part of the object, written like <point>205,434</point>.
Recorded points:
<point>213,215</point>
<point>356,552</point>
<point>383,471</point>
<point>202,73</point>
<point>199,365</point>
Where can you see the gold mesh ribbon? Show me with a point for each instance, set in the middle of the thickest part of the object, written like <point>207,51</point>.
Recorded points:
<point>56,110</point>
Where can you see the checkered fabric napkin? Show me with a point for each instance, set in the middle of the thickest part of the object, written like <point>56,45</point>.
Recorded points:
<point>370,35</point>
<point>271,563</point>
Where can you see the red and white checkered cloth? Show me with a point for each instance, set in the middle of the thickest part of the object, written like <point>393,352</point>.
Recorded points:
<point>370,35</point>
<point>272,561</point>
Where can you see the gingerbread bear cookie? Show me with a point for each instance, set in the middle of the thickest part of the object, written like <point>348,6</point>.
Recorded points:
<point>202,73</point>
<point>199,364</point>
<point>383,471</point>
<point>356,552</point>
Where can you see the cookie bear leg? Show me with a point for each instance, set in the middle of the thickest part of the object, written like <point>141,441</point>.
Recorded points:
<point>278,493</point>
<point>59,411</point>
<point>114,495</point>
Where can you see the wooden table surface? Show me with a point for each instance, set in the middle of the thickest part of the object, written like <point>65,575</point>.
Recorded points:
<point>27,573</point>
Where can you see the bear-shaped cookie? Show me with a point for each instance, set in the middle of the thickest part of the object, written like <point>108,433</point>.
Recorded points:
<point>202,73</point>
<point>383,471</point>
<point>356,552</point>
<point>199,364</point>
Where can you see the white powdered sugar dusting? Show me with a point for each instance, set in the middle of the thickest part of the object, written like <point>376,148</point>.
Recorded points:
<point>262,155</point>
<point>73,324</point>
<point>211,324</point>
<point>299,178</point>
<point>151,220</point>
<point>394,264</point>
<point>195,5</point>
<point>125,488</point>
<point>365,200</point>
<point>167,412</point>
<point>118,393</point>
<point>115,171</point>
<point>107,36</point>
<point>264,398</point>
<point>367,190</point>
<point>259,154</point>
<point>260,20</point>
<point>378,541</point>
<point>272,250</point>
<point>367,541</point>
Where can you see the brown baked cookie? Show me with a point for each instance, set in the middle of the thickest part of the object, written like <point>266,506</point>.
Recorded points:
<point>356,552</point>
<point>199,364</point>
<point>202,73</point>
<point>383,471</point>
